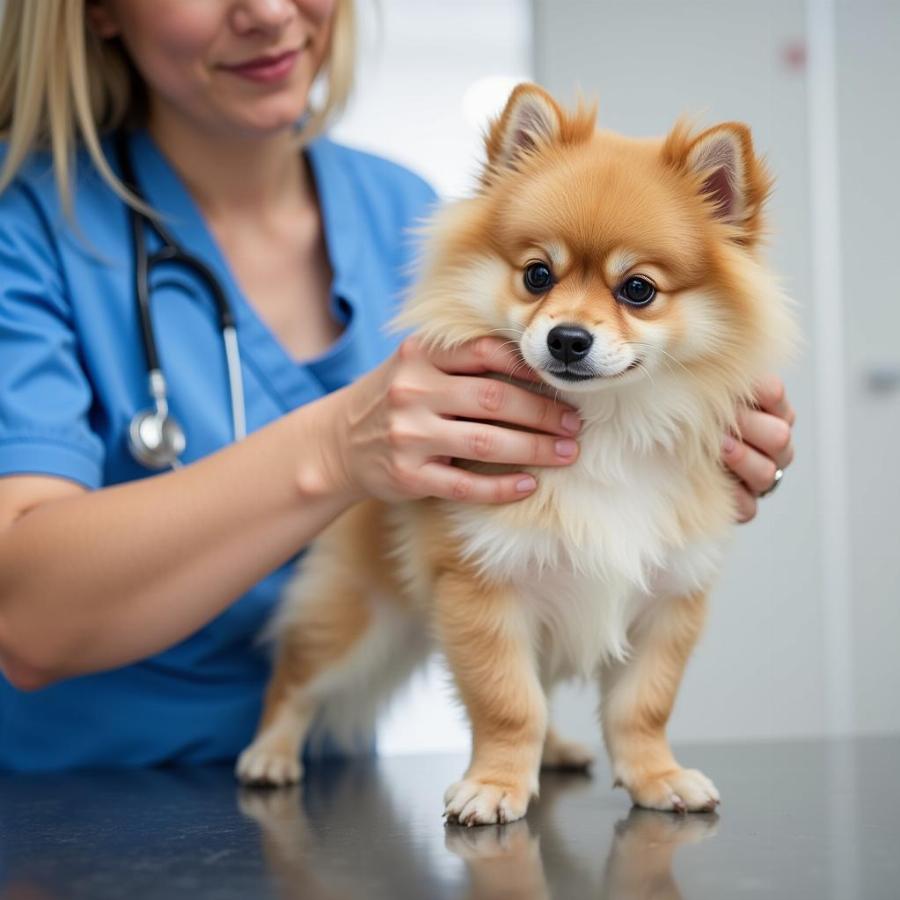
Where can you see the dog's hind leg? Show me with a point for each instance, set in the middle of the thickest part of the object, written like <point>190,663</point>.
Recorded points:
<point>560,753</point>
<point>319,636</point>
<point>565,755</point>
<point>346,639</point>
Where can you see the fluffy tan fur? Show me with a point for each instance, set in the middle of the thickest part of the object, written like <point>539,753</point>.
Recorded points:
<point>604,570</point>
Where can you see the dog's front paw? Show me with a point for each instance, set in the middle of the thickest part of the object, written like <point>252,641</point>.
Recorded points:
<point>265,765</point>
<point>678,790</point>
<point>473,802</point>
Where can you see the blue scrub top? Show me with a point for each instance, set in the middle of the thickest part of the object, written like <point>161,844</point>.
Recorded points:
<point>72,375</point>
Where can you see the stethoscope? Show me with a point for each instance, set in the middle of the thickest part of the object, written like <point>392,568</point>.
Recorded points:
<point>155,438</point>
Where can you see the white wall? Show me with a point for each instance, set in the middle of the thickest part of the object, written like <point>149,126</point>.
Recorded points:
<point>868,94</point>
<point>419,60</point>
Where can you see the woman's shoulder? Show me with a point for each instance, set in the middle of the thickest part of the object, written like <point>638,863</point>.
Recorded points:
<point>36,187</point>
<point>33,179</point>
<point>28,211</point>
<point>37,168</point>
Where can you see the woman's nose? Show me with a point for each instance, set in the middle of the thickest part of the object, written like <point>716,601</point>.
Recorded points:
<point>262,15</point>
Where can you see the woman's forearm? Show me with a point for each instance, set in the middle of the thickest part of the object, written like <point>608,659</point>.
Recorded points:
<point>108,577</point>
<point>99,580</point>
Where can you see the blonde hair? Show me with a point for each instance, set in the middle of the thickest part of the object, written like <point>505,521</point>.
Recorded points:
<point>61,85</point>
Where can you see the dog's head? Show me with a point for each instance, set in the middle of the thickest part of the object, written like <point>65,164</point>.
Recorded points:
<point>607,259</point>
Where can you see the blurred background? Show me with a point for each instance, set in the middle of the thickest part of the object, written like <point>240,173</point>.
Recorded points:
<point>804,634</point>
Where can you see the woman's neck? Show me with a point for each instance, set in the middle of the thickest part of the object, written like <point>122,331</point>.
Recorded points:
<point>228,175</point>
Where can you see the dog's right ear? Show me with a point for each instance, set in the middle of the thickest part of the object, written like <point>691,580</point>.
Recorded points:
<point>531,119</point>
<point>726,172</point>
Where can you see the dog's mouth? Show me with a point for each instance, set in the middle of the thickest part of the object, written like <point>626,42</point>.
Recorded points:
<point>570,375</point>
<point>581,373</point>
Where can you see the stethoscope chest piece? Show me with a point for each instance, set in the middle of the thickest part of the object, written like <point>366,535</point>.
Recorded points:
<point>156,441</point>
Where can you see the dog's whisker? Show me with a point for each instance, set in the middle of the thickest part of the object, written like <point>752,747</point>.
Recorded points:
<point>515,371</point>
<point>644,369</point>
<point>660,350</point>
<point>514,341</point>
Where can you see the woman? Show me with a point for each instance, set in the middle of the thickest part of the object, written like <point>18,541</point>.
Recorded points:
<point>129,605</point>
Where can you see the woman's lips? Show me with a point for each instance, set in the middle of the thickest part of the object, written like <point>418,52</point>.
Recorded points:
<point>266,69</point>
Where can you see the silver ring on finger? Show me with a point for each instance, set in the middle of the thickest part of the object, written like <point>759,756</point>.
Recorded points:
<point>779,474</point>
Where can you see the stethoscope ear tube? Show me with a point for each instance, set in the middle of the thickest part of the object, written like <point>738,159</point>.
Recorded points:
<point>235,382</point>
<point>155,438</point>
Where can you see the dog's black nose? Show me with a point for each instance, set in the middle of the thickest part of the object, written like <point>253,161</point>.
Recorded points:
<point>569,343</point>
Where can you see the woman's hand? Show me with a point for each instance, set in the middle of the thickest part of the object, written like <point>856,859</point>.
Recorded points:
<point>400,426</point>
<point>765,445</point>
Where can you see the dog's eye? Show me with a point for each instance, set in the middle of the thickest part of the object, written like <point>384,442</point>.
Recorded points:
<point>538,278</point>
<point>637,292</point>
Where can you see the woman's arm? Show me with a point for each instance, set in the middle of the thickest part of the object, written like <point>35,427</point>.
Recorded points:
<point>103,578</point>
<point>95,580</point>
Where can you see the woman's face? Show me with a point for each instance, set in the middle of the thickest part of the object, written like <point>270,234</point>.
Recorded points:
<point>231,66</point>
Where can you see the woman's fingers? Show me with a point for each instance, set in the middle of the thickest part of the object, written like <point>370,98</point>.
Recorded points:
<point>765,445</point>
<point>452,483</point>
<point>476,358</point>
<point>768,433</point>
<point>771,398</point>
<point>487,398</point>
<point>427,408</point>
<point>755,469</point>
<point>489,443</point>
<point>746,503</point>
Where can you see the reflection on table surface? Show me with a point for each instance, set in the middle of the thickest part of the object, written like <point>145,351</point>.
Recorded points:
<point>798,820</point>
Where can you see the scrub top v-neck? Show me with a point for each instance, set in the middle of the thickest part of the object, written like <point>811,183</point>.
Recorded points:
<point>361,344</point>
<point>73,375</point>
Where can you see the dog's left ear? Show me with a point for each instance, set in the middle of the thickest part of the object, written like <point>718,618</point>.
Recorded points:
<point>726,172</point>
<point>531,119</point>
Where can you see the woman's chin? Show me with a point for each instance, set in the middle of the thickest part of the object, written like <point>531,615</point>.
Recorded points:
<point>265,119</point>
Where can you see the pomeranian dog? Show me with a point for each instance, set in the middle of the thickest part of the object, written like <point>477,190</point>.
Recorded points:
<point>628,274</point>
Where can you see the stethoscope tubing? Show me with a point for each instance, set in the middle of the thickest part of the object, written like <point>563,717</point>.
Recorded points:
<point>171,253</point>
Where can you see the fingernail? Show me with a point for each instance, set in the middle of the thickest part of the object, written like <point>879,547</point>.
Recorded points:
<point>566,448</point>
<point>728,443</point>
<point>571,422</point>
<point>526,484</point>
